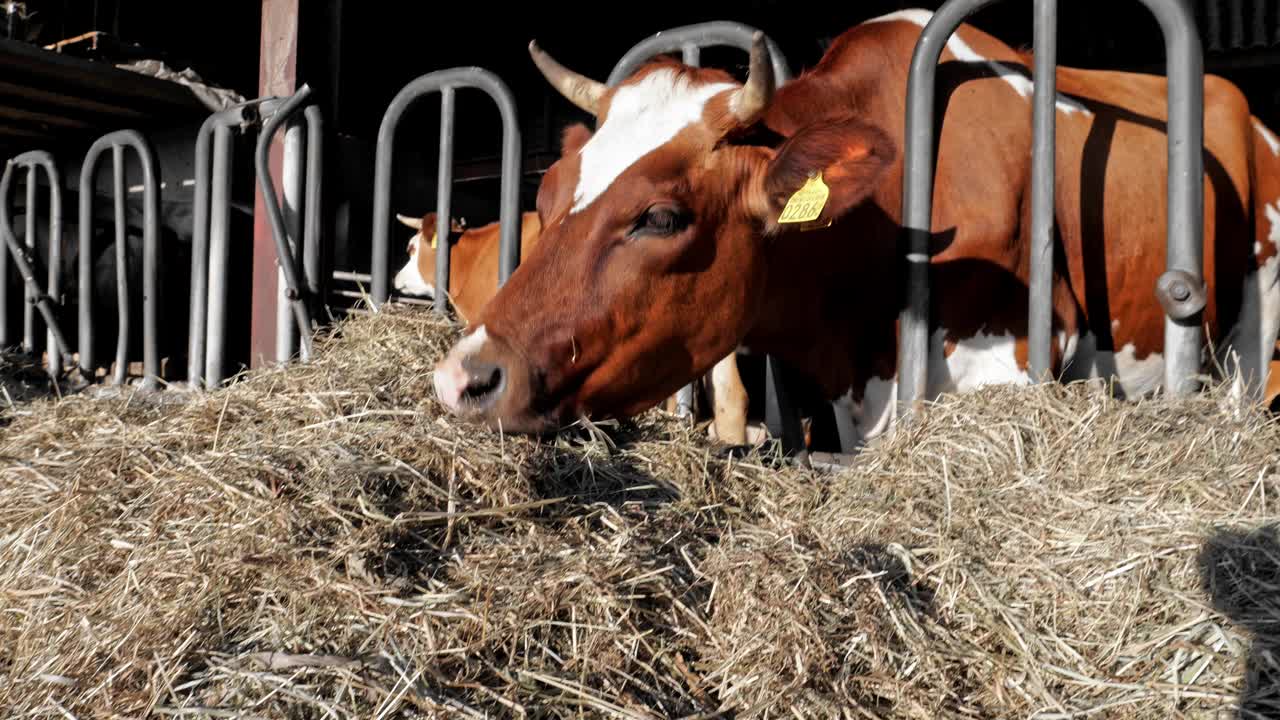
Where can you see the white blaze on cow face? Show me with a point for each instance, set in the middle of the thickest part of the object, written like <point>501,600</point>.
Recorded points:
<point>964,53</point>
<point>642,118</point>
<point>409,280</point>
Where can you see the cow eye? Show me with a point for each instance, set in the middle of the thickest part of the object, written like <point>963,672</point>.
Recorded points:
<point>661,220</point>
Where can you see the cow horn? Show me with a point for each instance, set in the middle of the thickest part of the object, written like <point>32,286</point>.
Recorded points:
<point>577,89</point>
<point>749,103</point>
<point>415,223</point>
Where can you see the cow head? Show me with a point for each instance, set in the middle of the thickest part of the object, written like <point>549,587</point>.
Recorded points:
<point>418,275</point>
<point>652,258</point>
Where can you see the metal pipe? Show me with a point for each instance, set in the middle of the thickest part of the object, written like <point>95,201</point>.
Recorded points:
<point>444,193</point>
<point>702,35</point>
<point>218,255</point>
<point>509,191</point>
<point>30,292</point>
<point>4,264</point>
<point>150,263</point>
<point>122,265</point>
<point>284,256</point>
<point>207,299</point>
<point>117,141</point>
<point>1043,145</point>
<point>472,77</point>
<point>917,197</point>
<point>44,303</point>
<point>55,345</point>
<point>312,234</point>
<point>1184,278</point>
<point>85,249</point>
<point>294,172</point>
<point>196,326</point>
<point>691,54</point>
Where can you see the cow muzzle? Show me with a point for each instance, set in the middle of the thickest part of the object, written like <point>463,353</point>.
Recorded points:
<point>483,379</point>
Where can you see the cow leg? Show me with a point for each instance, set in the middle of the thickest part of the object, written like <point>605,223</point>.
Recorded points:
<point>729,401</point>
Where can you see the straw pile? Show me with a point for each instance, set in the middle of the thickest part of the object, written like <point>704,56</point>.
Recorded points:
<point>318,541</point>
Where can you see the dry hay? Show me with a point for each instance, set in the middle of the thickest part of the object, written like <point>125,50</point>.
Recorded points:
<point>317,541</point>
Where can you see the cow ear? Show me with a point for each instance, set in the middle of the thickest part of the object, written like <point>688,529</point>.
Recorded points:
<point>823,171</point>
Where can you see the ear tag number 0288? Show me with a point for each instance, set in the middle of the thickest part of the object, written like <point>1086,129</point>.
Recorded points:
<point>806,203</point>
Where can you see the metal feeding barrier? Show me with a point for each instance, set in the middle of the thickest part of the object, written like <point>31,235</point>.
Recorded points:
<point>291,242</point>
<point>447,82</point>
<point>117,142</point>
<point>296,230</point>
<point>781,417</point>
<point>1180,290</point>
<point>36,299</point>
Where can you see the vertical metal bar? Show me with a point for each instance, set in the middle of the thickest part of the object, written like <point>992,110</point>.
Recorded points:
<point>444,193</point>
<point>219,255</point>
<point>197,326</point>
<point>150,262</point>
<point>312,235</point>
<point>295,157</point>
<point>85,344</point>
<point>1040,302</point>
<point>55,345</point>
<point>691,54</point>
<point>4,270</point>
<point>122,265</point>
<point>1185,205</point>
<point>917,197</point>
<point>781,416</point>
<point>509,194</point>
<point>28,292</point>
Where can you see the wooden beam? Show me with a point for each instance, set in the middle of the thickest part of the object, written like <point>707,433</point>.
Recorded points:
<point>277,75</point>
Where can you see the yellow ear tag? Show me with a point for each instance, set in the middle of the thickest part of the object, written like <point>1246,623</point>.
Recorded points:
<point>433,240</point>
<point>807,202</point>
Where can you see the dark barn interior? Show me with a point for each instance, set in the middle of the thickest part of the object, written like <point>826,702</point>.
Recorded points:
<point>357,56</point>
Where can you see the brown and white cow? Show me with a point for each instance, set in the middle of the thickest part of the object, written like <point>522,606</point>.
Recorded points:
<point>662,248</point>
<point>473,281</point>
<point>473,260</point>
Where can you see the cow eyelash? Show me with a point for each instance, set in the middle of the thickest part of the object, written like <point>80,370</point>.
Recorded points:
<point>661,220</point>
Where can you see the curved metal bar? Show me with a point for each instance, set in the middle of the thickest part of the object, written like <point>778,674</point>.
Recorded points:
<point>198,323</point>
<point>58,349</point>
<point>780,417</point>
<point>284,255</point>
<point>917,196</point>
<point>509,215</point>
<point>700,35</point>
<point>293,188</point>
<point>117,141</point>
<point>1185,204</point>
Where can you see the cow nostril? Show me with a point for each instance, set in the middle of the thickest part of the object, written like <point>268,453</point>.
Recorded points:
<point>483,384</point>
